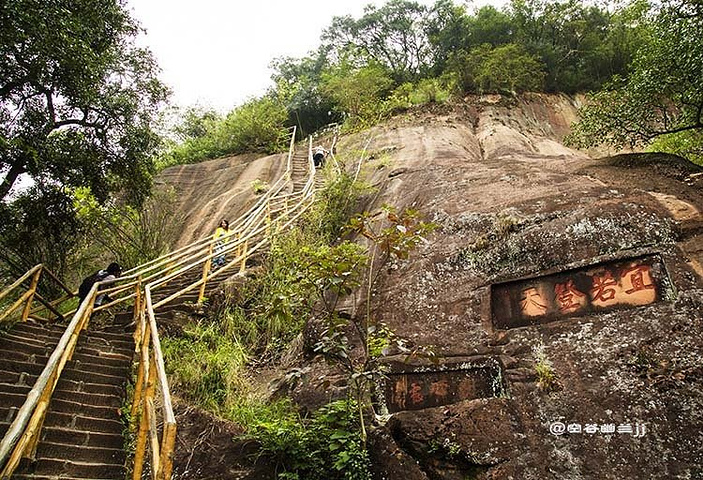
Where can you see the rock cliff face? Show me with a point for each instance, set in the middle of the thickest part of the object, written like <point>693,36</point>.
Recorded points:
<point>562,295</point>
<point>581,278</point>
<point>209,191</point>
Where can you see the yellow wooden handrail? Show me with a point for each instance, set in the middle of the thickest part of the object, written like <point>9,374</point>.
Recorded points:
<point>139,284</point>
<point>26,299</point>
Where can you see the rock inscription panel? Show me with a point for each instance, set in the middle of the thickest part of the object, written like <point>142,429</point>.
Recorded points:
<point>435,386</point>
<point>625,283</point>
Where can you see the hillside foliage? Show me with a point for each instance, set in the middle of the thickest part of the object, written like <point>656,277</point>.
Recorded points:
<point>662,98</point>
<point>404,53</point>
<point>78,102</point>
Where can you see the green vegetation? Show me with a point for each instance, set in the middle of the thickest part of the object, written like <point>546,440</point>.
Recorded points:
<point>546,378</point>
<point>402,54</point>
<point>326,447</point>
<point>662,98</point>
<point>257,126</point>
<point>259,186</point>
<point>68,132</point>
<point>78,102</point>
<point>307,271</point>
<point>207,362</point>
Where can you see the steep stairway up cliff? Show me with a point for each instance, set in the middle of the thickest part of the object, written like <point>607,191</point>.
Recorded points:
<point>83,434</point>
<point>299,168</point>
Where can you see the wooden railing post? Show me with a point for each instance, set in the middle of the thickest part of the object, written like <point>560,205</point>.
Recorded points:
<point>268,218</point>
<point>144,421</point>
<point>168,440</point>
<point>137,299</point>
<point>142,371</point>
<point>244,256</point>
<point>206,270</point>
<point>32,290</point>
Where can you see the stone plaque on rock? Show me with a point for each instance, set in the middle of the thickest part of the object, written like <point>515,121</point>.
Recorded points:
<point>601,287</point>
<point>418,387</point>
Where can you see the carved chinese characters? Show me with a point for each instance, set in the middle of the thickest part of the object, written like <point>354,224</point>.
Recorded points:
<point>426,387</point>
<point>576,292</point>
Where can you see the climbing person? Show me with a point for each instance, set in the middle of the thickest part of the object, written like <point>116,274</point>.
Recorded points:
<point>109,275</point>
<point>221,237</point>
<point>318,156</point>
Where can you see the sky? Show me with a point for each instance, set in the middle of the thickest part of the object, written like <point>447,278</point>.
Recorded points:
<point>216,53</point>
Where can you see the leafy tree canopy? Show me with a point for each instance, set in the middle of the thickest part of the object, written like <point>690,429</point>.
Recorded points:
<point>663,95</point>
<point>77,102</point>
<point>76,97</point>
<point>392,36</point>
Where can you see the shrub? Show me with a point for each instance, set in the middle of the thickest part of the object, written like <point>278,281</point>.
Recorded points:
<point>258,126</point>
<point>205,365</point>
<point>324,447</point>
<point>688,144</point>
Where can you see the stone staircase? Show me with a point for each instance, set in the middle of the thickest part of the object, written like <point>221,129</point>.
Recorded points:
<point>299,168</point>
<point>82,436</point>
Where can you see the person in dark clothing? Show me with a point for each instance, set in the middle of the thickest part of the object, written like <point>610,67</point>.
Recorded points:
<point>318,156</point>
<point>110,274</point>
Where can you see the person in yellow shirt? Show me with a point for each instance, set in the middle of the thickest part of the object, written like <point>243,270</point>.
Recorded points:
<point>221,237</point>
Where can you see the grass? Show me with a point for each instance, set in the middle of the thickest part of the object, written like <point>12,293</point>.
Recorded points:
<point>546,377</point>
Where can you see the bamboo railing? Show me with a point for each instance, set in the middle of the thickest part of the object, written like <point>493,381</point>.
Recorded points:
<point>275,210</point>
<point>22,437</point>
<point>25,300</point>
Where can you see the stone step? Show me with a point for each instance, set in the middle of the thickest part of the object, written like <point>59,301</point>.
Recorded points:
<point>92,377</point>
<point>16,378</point>
<point>57,468</point>
<point>84,423</point>
<point>82,438</point>
<point>10,404</point>
<point>95,399</point>
<point>13,341</point>
<point>89,387</point>
<point>81,453</point>
<point>101,366</point>
<point>35,328</point>
<point>110,341</point>
<point>19,367</point>
<point>86,410</point>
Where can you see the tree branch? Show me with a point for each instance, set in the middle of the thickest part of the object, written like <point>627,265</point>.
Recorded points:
<point>15,171</point>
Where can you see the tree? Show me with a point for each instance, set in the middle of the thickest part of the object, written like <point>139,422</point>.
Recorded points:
<point>447,29</point>
<point>490,26</point>
<point>77,98</point>
<point>358,92</point>
<point>581,45</point>
<point>298,86</point>
<point>662,96</point>
<point>393,36</point>
<point>77,102</point>
<point>196,122</point>
<point>507,68</point>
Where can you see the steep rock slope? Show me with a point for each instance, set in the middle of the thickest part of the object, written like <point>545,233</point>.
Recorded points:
<point>523,223</point>
<point>530,273</point>
<point>209,191</point>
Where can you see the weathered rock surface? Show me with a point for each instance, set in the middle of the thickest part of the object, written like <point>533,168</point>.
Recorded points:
<point>209,191</point>
<point>512,203</point>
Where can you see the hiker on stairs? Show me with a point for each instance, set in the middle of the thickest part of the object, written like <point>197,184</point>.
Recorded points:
<point>318,156</point>
<point>221,237</point>
<point>110,274</point>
